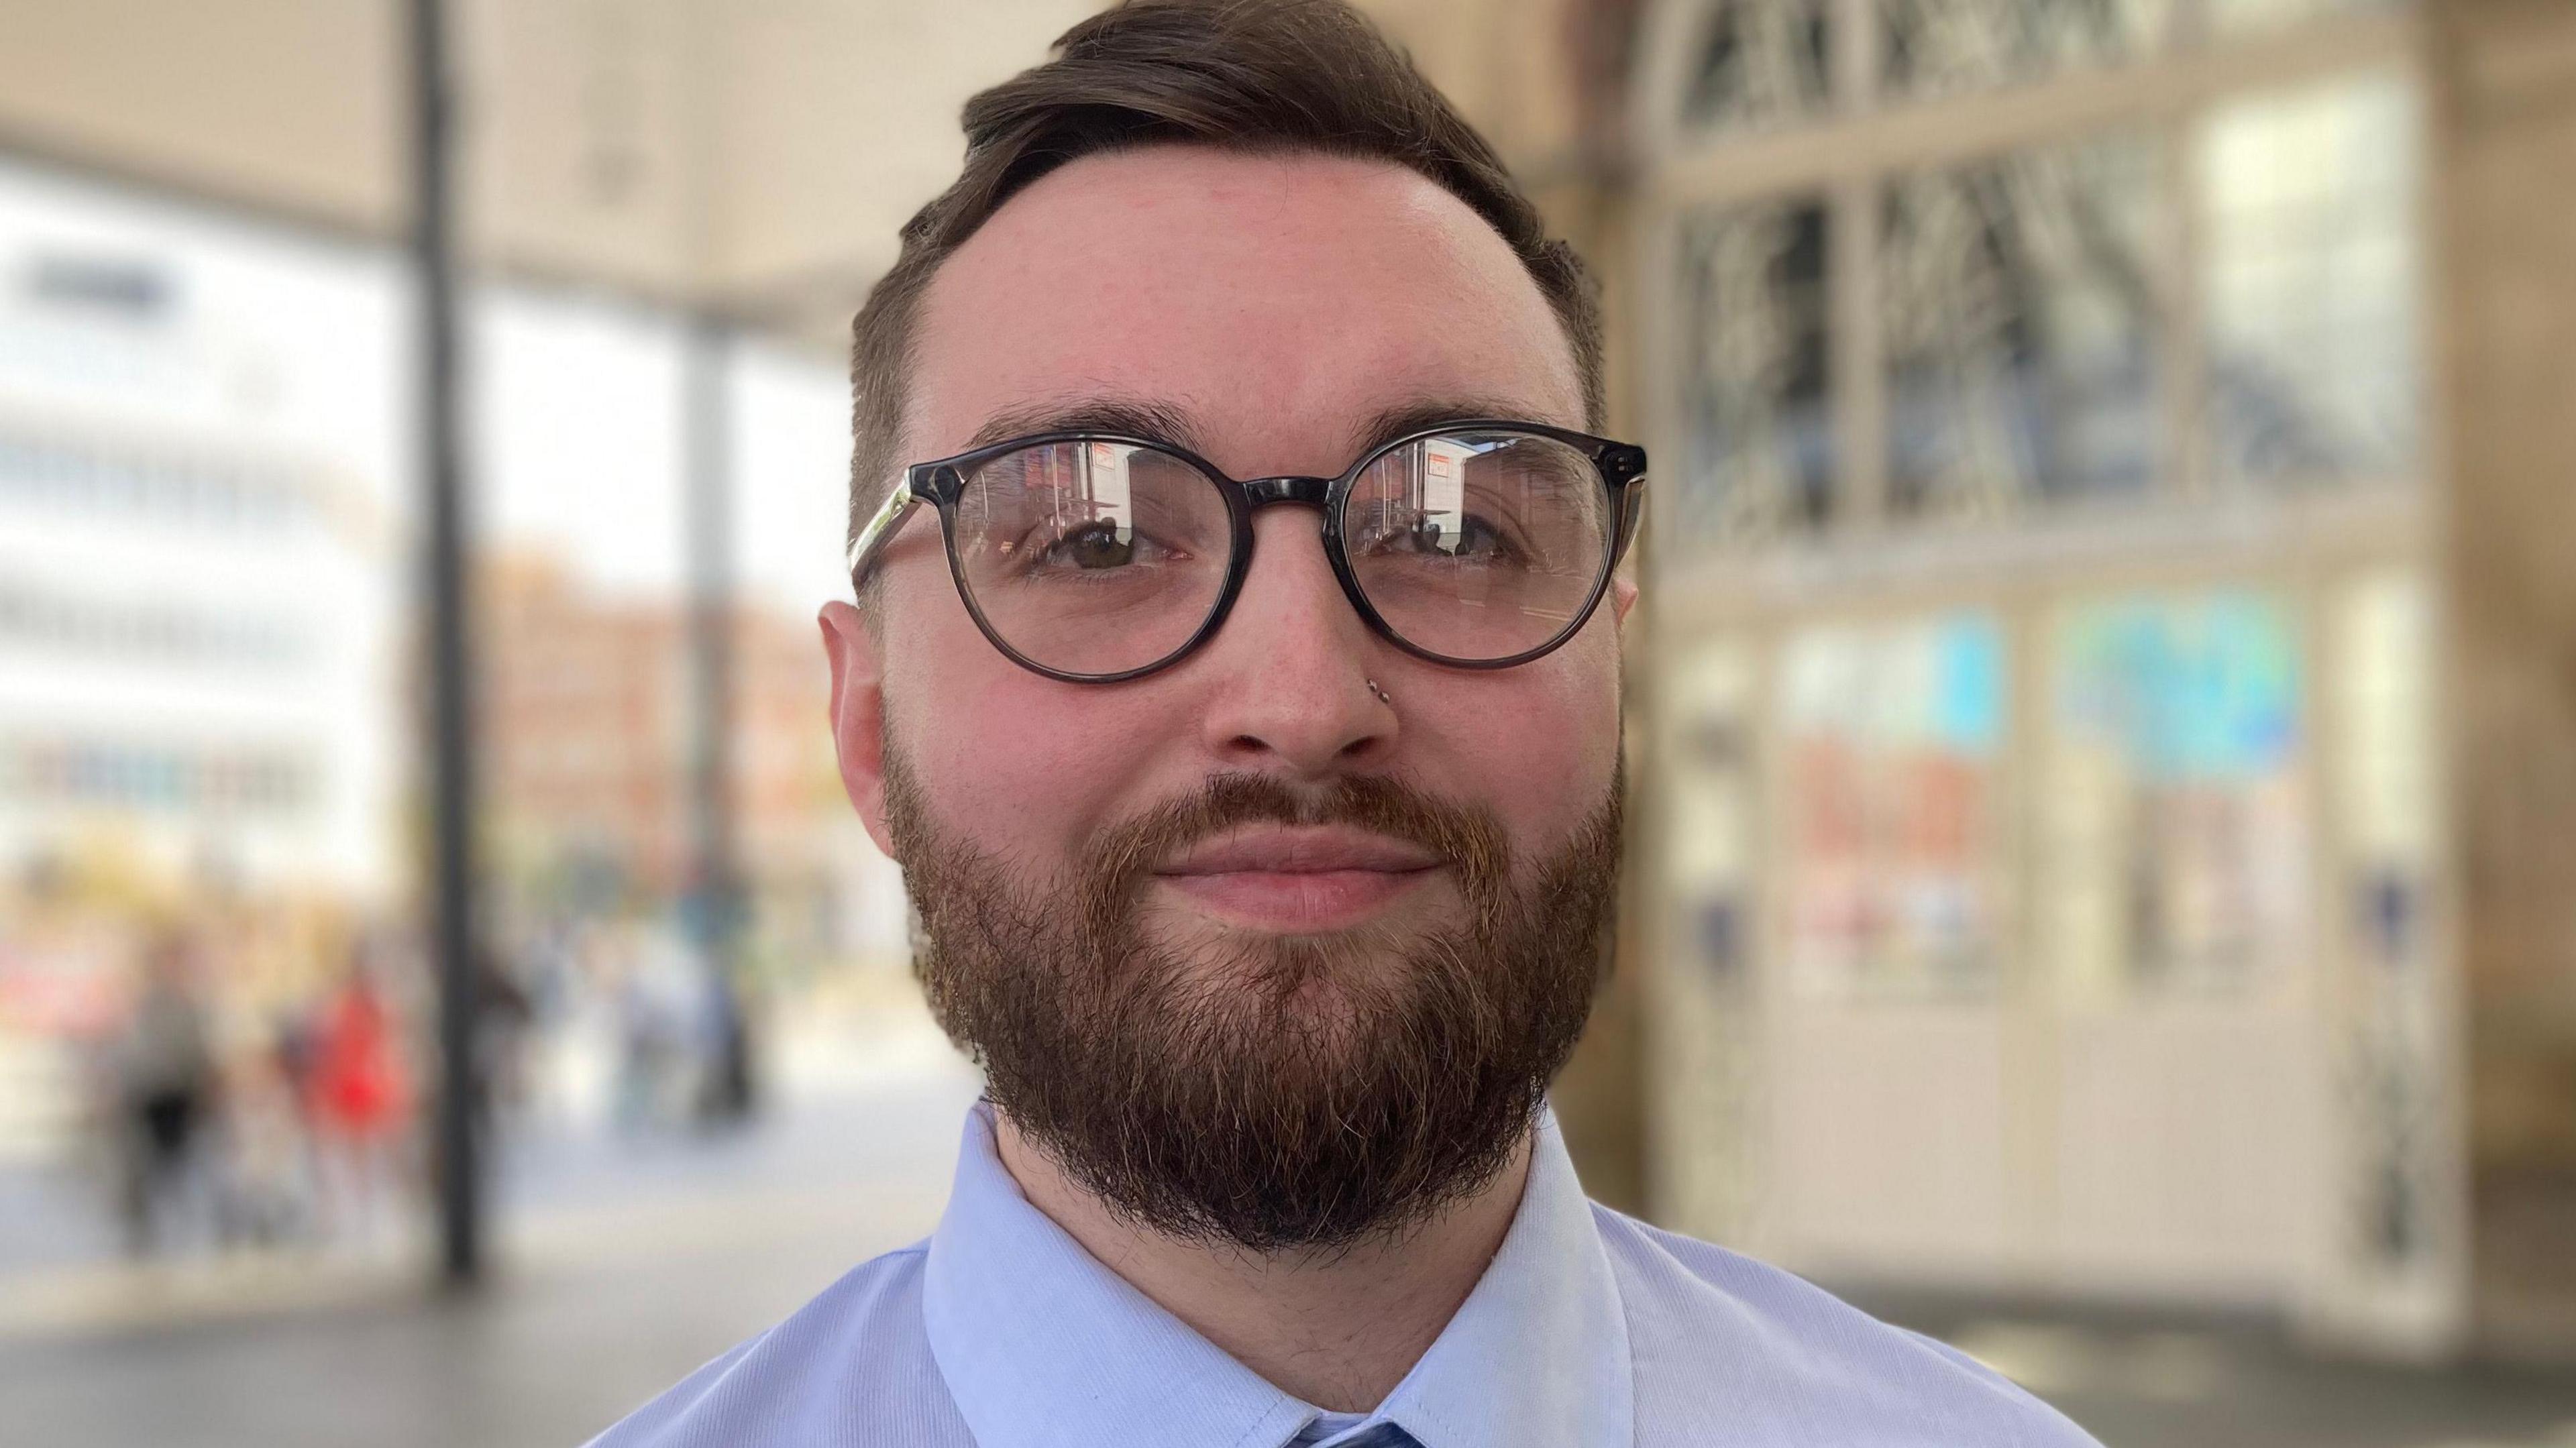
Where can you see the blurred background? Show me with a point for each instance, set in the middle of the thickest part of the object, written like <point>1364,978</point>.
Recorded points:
<point>2104,885</point>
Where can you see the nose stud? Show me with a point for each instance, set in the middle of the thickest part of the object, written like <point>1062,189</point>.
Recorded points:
<point>1381,694</point>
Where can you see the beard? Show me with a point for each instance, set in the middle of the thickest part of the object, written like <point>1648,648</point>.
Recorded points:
<point>1279,1093</point>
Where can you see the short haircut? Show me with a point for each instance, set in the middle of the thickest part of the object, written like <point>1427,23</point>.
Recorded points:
<point>1258,76</point>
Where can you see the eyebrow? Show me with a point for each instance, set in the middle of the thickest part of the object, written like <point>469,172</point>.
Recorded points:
<point>1134,416</point>
<point>1166,422</point>
<point>1422,413</point>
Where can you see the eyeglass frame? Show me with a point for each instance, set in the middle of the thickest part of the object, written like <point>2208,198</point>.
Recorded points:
<point>1619,467</point>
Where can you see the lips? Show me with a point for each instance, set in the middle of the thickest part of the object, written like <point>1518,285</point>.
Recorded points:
<point>1297,880</point>
<point>1299,851</point>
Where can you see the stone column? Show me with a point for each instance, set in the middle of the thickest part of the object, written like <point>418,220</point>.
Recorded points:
<point>2504,189</point>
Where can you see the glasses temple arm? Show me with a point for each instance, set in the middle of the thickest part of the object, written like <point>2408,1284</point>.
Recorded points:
<point>879,531</point>
<point>1632,512</point>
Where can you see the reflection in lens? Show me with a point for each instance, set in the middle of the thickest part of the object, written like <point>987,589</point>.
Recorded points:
<point>1092,557</point>
<point>1478,545</point>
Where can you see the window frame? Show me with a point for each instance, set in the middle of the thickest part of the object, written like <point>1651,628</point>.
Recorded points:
<point>1844,157</point>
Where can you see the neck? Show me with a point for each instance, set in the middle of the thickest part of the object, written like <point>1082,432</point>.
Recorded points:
<point>1338,1330</point>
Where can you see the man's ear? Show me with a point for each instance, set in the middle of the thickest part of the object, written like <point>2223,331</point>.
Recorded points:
<point>1623,596</point>
<point>858,714</point>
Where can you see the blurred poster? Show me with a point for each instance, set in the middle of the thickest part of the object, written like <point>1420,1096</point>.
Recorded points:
<point>2173,820</point>
<point>1892,739</point>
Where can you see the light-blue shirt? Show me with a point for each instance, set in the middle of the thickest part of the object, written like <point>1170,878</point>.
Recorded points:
<point>1589,1328</point>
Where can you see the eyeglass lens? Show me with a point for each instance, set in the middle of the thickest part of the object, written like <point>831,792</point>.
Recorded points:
<point>1097,558</point>
<point>1478,546</point>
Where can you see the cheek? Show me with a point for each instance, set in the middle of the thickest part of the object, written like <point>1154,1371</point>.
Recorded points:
<point>1539,743</point>
<point>1018,765</point>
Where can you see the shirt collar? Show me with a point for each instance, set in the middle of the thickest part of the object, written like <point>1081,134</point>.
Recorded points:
<point>1041,1344</point>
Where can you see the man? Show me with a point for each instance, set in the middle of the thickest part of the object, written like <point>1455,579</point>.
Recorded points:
<point>1263,832</point>
<point>164,1071</point>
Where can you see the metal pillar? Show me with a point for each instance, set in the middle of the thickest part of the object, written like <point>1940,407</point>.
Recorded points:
<point>451,715</point>
<point>716,904</point>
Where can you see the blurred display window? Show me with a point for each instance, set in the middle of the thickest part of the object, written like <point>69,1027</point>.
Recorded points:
<point>2308,199</point>
<point>1761,454</point>
<point>1892,741</point>
<point>1759,63</point>
<point>2018,297</point>
<point>1942,47</point>
<point>2175,854</point>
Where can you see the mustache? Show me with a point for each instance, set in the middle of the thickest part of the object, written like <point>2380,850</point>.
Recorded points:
<point>1468,839</point>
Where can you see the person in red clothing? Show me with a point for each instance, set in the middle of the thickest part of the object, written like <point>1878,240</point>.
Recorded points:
<point>358,1097</point>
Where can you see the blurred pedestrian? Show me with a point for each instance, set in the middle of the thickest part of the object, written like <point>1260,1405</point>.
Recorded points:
<point>164,1080</point>
<point>504,1016</point>
<point>358,1099</point>
<point>657,1011</point>
<point>726,1088</point>
<point>264,1187</point>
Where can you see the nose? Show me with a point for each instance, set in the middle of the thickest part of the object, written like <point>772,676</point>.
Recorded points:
<point>1291,667</point>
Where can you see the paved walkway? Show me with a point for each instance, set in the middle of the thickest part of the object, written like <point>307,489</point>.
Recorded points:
<point>2141,1382</point>
<point>619,1275</point>
<point>608,1293</point>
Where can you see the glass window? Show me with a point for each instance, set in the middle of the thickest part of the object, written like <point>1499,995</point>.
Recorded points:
<point>1942,47</point>
<point>1892,745</point>
<point>1760,62</point>
<point>1760,438</point>
<point>2017,299</point>
<point>2174,850</point>
<point>2308,201</point>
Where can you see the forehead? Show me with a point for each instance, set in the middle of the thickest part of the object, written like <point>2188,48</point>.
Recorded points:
<point>1275,302</point>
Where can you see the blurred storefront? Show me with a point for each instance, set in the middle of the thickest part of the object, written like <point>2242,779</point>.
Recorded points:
<point>2057,862</point>
<point>209,698</point>
<point>196,588</point>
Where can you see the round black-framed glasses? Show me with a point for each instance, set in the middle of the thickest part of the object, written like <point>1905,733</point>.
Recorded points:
<point>1097,557</point>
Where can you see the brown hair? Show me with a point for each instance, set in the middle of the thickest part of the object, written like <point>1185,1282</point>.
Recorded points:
<point>1248,75</point>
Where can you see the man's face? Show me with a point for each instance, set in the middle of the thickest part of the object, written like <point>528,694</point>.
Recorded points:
<point>1248,864</point>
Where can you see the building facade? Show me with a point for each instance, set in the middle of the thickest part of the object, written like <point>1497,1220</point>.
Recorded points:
<point>195,598</point>
<point>588,715</point>
<point>2079,866</point>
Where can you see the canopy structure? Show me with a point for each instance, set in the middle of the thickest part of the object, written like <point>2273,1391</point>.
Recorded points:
<point>749,159</point>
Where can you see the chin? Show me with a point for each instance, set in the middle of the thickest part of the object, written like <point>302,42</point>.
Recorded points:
<point>1312,974</point>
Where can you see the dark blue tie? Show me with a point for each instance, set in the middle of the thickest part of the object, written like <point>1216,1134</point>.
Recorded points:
<point>1381,1435</point>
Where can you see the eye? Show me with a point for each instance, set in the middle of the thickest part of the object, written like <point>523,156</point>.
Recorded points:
<point>1100,544</point>
<point>1470,537</point>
